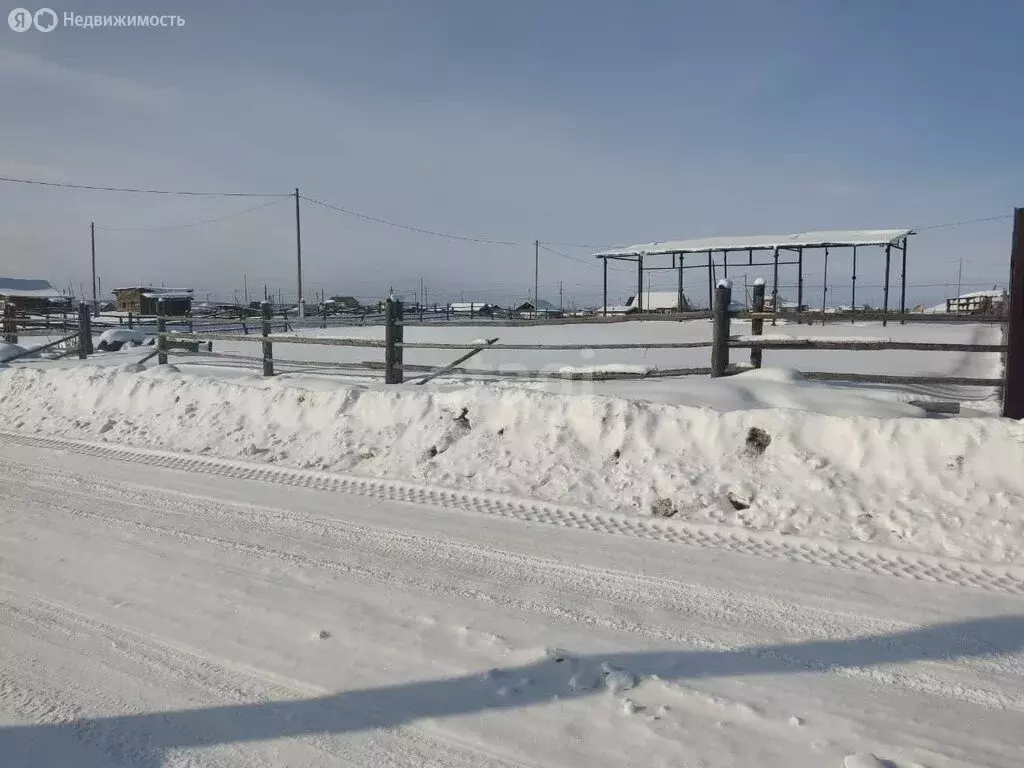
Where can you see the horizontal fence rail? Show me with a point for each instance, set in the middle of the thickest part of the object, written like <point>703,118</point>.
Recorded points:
<point>882,378</point>
<point>751,342</point>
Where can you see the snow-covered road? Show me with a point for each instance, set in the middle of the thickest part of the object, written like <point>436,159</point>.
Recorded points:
<point>160,610</point>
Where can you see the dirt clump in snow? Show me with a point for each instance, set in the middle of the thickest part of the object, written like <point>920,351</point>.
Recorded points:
<point>739,503</point>
<point>757,441</point>
<point>663,508</point>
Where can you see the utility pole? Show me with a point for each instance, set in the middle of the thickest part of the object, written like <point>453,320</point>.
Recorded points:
<point>1013,368</point>
<point>959,279</point>
<point>92,242</point>
<point>536,274</point>
<point>560,307</point>
<point>298,249</point>
<point>824,288</point>
<point>245,288</point>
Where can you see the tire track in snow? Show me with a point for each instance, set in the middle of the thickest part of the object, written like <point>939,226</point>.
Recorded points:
<point>583,586</point>
<point>848,556</point>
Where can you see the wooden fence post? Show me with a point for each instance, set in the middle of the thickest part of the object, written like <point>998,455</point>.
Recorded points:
<point>1013,371</point>
<point>394,334</point>
<point>9,328</point>
<point>720,329</point>
<point>161,340</point>
<point>83,331</point>
<point>757,325</point>
<point>268,347</point>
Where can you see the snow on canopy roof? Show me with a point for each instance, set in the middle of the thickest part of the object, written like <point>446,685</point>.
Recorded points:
<point>167,295</point>
<point>28,288</point>
<point>834,238</point>
<point>151,289</point>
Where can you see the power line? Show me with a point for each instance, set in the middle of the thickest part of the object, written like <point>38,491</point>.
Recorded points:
<point>580,261</point>
<point>968,221</point>
<point>164,227</point>
<point>581,245</point>
<point>408,227</point>
<point>138,190</point>
<point>375,219</point>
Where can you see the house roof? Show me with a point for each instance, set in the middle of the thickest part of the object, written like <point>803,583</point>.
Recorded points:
<point>151,290</point>
<point>838,238</point>
<point>27,288</point>
<point>166,295</point>
<point>542,304</point>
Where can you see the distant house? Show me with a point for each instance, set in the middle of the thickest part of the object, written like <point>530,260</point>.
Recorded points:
<point>785,305</point>
<point>341,304</point>
<point>542,308</point>
<point>660,301</point>
<point>153,301</point>
<point>974,303</point>
<point>472,308</point>
<point>30,295</point>
<point>616,309</point>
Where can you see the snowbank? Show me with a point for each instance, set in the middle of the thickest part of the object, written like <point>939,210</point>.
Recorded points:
<point>945,486</point>
<point>8,350</point>
<point>115,338</point>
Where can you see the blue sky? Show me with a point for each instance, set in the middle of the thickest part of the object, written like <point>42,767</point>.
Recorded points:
<point>572,122</point>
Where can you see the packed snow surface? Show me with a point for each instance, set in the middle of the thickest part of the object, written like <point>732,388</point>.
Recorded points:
<point>9,350</point>
<point>159,618</point>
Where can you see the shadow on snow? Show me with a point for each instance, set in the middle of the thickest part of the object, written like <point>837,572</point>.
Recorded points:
<point>142,739</point>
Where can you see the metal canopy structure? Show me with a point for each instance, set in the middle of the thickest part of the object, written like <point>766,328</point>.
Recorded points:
<point>797,243</point>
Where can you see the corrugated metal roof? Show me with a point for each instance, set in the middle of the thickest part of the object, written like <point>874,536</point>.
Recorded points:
<point>839,238</point>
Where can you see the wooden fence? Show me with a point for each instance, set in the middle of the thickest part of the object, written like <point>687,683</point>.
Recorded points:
<point>720,343</point>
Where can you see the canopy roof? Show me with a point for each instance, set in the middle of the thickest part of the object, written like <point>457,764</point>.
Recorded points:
<point>839,238</point>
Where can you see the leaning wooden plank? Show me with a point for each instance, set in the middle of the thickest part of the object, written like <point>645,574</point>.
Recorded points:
<point>34,350</point>
<point>454,363</point>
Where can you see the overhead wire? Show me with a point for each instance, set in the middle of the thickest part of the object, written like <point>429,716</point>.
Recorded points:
<point>164,227</point>
<point>407,227</point>
<point>139,190</point>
